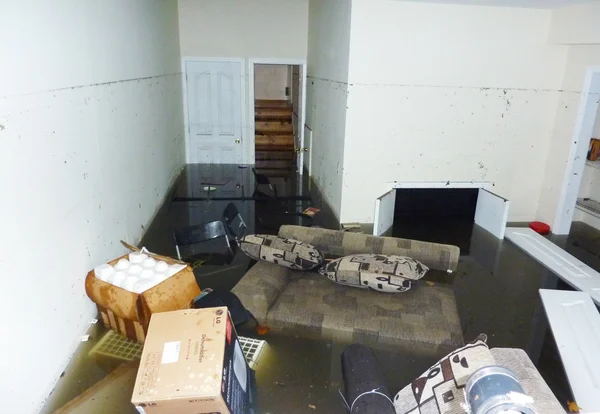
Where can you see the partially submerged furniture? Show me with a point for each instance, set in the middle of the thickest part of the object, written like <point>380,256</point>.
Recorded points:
<point>296,301</point>
<point>532,382</point>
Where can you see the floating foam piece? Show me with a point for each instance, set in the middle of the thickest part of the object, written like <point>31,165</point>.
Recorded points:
<point>104,271</point>
<point>137,257</point>
<point>174,268</point>
<point>122,264</point>
<point>129,282</point>
<point>147,274</point>
<point>149,263</point>
<point>118,278</point>
<point>161,267</point>
<point>135,270</point>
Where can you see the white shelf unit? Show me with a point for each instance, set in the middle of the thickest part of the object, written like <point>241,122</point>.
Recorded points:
<point>587,209</point>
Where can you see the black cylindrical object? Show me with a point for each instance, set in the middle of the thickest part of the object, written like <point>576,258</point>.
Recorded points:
<point>366,392</point>
<point>495,390</point>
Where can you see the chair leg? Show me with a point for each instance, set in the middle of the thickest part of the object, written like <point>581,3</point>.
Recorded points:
<point>228,244</point>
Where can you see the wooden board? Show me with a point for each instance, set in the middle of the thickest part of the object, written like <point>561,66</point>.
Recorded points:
<point>568,268</point>
<point>281,140</point>
<point>266,114</point>
<point>109,395</point>
<point>274,155</point>
<point>270,103</point>
<point>273,164</point>
<point>274,172</point>
<point>575,325</point>
<point>273,128</point>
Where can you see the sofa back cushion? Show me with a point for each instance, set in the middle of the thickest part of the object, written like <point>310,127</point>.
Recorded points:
<point>336,244</point>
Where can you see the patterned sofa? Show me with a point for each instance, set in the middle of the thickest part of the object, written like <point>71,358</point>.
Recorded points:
<point>424,317</point>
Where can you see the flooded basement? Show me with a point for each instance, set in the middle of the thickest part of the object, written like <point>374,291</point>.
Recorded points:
<point>495,287</point>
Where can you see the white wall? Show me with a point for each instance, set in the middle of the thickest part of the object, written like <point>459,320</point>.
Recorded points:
<point>91,137</point>
<point>449,92</point>
<point>243,28</point>
<point>270,81</point>
<point>576,24</point>
<point>326,94</point>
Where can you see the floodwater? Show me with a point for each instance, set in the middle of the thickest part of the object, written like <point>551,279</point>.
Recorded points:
<point>496,290</point>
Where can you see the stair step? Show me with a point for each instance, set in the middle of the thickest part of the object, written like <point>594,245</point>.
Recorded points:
<point>273,128</point>
<point>274,155</point>
<point>274,164</point>
<point>275,114</point>
<point>270,103</point>
<point>274,172</point>
<point>280,140</point>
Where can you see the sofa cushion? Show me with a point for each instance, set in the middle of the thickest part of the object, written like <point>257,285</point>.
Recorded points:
<point>285,252</point>
<point>385,273</point>
<point>261,286</point>
<point>426,318</point>
<point>440,388</point>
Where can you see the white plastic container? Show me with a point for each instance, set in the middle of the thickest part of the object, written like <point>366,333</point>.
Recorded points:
<point>118,278</point>
<point>122,264</point>
<point>161,267</point>
<point>142,285</point>
<point>129,282</point>
<point>147,274</point>
<point>174,268</point>
<point>104,271</point>
<point>137,257</point>
<point>135,270</point>
<point>149,263</point>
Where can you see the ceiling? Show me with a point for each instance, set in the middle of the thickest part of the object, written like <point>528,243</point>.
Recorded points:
<point>536,4</point>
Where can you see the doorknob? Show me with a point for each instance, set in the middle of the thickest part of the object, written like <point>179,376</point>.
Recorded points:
<point>305,149</point>
<point>297,149</point>
<point>237,141</point>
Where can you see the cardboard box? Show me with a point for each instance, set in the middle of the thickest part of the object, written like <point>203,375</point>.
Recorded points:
<point>192,363</point>
<point>129,313</point>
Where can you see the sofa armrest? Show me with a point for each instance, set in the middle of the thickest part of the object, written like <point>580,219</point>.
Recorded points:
<point>533,384</point>
<point>261,286</point>
<point>335,243</point>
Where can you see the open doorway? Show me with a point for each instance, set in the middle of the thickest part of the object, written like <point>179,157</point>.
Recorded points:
<point>277,90</point>
<point>580,191</point>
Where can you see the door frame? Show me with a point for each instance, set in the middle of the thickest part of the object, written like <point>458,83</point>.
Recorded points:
<point>250,103</point>
<point>584,128</point>
<point>184,61</point>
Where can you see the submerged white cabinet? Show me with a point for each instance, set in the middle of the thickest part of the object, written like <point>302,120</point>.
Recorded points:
<point>491,211</point>
<point>384,213</point>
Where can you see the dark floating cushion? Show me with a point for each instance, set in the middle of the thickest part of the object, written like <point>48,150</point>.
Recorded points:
<point>385,273</point>
<point>285,252</point>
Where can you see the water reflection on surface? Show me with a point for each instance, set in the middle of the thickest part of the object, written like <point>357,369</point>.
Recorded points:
<point>496,290</point>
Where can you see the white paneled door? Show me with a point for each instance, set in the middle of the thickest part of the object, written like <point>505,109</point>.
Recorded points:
<point>214,99</point>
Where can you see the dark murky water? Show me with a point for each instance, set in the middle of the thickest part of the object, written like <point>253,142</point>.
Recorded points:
<point>496,289</point>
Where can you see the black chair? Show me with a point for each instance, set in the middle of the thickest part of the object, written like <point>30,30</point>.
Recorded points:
<point>234,221</point>
<point>261,179</point>
<point>200,233</point>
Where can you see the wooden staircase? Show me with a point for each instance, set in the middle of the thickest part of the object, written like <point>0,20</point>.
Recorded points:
<point>274,139</point>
